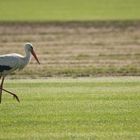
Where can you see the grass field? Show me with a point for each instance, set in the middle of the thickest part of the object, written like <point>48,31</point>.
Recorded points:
<point>73,38</point>
<point>81,109</point>
<point>69,10</point>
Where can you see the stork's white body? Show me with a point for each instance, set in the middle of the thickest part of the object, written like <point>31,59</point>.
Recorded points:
<point>13,62</point>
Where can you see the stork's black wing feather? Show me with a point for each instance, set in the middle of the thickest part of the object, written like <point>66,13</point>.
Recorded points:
<point>4,67</point>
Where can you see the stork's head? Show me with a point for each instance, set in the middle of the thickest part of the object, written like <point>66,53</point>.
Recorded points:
<point>29,48</point>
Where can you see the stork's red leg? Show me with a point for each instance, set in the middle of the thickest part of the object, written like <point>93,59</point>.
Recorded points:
<point>0,92</point>
<point>1,87</point>
<point>14,95</point>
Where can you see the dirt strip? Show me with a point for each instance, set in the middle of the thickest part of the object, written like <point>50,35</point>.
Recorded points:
<point>75,48</point>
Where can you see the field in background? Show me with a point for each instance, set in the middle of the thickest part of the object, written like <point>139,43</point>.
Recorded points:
<point>72,38</point>
<point>76,48</point>
<point>69,10</point>
<point>100,108</point>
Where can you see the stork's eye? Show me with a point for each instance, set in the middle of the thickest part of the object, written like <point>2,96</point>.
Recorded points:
<point>31,48</point>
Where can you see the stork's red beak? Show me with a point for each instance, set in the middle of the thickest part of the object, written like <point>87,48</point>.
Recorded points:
<point>33,53</point>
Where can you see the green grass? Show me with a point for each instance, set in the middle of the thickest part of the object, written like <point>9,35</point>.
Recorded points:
<point>63,10</point>
<point>68,109</point>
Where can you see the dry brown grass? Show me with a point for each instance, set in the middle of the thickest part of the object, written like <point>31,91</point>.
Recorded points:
<point>76,49</point>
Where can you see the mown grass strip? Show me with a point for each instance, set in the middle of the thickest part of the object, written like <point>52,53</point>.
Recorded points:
<point>68,10</point>
<point>99,108</point>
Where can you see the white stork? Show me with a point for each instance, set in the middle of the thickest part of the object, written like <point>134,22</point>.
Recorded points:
<point>13,62</point>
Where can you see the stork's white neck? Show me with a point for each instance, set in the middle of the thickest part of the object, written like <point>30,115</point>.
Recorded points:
<point>27,56</point>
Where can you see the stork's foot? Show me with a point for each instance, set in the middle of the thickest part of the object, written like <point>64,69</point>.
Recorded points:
<point>16,97</point>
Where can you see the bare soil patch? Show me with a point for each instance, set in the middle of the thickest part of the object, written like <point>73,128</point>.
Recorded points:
<point>76,48</point>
